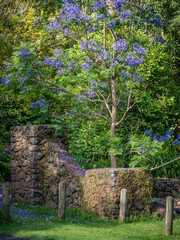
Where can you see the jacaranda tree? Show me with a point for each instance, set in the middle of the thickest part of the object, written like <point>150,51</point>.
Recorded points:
<point>103,58</point>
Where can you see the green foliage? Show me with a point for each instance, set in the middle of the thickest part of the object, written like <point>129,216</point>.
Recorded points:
<point>5,164</point>
<point>147,153</point>
<point>89,144</point>
<point>10,115</point>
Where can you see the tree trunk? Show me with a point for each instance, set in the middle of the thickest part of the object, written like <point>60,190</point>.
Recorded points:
<point>113,118</point>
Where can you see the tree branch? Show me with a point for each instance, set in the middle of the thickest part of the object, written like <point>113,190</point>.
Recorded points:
<point>165,164</point>
<point>99,115</point>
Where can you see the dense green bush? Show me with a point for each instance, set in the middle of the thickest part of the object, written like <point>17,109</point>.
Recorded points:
<point>149,151</point>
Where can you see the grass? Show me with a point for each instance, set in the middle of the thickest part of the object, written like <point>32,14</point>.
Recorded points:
<point>41,223</point>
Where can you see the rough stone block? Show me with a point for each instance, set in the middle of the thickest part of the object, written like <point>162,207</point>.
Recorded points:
<point>33,148</point>
<point>21,175</point>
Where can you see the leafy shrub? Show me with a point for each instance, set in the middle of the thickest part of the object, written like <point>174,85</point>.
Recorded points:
<point>149,151</point>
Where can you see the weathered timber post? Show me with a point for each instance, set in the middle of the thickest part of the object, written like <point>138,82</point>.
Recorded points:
<point>169,215</point>
<point>62,200</point>
<point>123,206</point>
<point>5,201</point>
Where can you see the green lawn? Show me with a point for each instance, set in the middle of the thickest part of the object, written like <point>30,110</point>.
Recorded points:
<point>41,223</point>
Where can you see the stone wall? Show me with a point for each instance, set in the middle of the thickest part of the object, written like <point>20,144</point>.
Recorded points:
<point>39,161</point>
<point>102,189</point>
<point>164,187</point>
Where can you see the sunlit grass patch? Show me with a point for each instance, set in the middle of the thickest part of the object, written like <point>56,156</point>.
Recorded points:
<point>41,223</point>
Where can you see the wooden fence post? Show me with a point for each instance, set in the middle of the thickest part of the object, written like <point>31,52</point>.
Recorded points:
<point>169,215</point>
<point>5,201</point>
<point>61,200</point>
<point>123,206</point>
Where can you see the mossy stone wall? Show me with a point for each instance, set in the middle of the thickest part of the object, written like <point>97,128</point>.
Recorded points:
<point>102,187</point>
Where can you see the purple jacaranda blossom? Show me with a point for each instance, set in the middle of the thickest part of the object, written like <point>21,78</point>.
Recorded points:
<point>70,11</point>
<point>159,39</point>
<point>22,79</point>
<point>37,20</point>
<point>114,62</point>
<point>132,60</point>
<point>92,28</point>
<point>8,65</point>
<point>49,61</point>
<point>118,4</point>
<point>54,62</point>
<point>24,53</point>
<point>69,114</point>
<point>40,103</point>
<point>136,77</point>
<point>143,149</point>
<point>80,98</point>
<point>5,80</point>
<point>100,16</point>
<point>139,50</point>
<point>60,71</point>
<point>111,24</point>
<point>105,84</point>
<point>86,66</point>
<point>84,45</point>
<point>57,53</point>
<point>67,32</point>
<point>90,93</point>
<point>24,88</point>
<point>93,84</point>
<point>125,74</point>
<point>93,45</point>
<point>55,25</point>
<point>124,15</point>
<point>119,45</point>
<point>34,105</point>
<point>103,55</point>
<point>30,74</point>
<point>98,5</point>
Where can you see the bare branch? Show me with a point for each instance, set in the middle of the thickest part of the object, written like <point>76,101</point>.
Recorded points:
<point>165,164</point>
<point>136,152</point>
<point>61,89</point>
<point>128,105</point>
<point>105,101</point>
<point>99,115</point>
